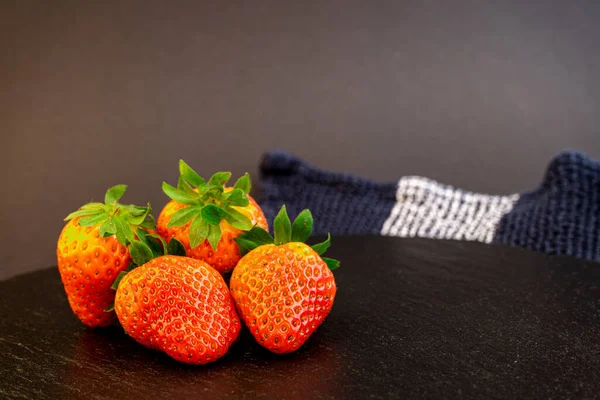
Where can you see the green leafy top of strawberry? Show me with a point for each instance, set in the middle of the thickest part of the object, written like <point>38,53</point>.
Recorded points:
<point>115,218</point>
<point>143,249</point>
<point>207,204</point>
<point>285,232</point>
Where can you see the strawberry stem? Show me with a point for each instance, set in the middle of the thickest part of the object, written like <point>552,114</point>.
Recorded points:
<point>114,218</point>
<point>207,204</point>
<point>285,232</point>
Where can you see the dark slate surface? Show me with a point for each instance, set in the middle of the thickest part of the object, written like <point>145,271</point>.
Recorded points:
<point>413,318</point>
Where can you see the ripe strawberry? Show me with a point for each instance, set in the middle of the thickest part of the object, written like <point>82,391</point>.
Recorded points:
<point>92,251</point>
<point>180,306</point>
<point>206,217</point>
<point>282,288</point>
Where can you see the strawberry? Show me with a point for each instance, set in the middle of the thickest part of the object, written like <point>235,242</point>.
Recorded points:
<point>206,217</point>
<point>282,288</point>
<point>92,251</point>
<point>180,306</point>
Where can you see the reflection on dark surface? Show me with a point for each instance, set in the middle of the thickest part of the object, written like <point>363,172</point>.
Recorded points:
<point>105,359</point>
<point>71,359</point>
<point>412,318</point>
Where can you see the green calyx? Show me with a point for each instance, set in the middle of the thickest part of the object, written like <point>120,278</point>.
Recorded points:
<point>285,232</point>
<point>115,218</point>
<point>143,249</point>
<point>207,204</point>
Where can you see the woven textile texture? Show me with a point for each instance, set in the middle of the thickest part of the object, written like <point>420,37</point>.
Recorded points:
<point>560,216</point>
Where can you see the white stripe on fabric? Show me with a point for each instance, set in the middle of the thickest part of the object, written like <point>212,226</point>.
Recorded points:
<point>426,208</point>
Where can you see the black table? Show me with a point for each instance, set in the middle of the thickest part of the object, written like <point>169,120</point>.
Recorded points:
<point>413,318</point>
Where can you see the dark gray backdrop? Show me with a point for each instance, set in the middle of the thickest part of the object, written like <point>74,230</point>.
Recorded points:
<point>479,94</point>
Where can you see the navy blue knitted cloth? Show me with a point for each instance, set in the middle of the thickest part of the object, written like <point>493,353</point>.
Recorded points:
<point>561,216</point>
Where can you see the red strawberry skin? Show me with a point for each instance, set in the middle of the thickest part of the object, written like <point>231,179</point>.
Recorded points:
<point>283,293</point>
<point>180,306</point>
<point>88,265</point>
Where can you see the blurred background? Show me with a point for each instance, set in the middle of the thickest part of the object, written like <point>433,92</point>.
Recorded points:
<point>479,94</point>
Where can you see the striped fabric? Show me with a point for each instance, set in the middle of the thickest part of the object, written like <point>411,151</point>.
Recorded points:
<point>561,216</point>
<point>425,208</point>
